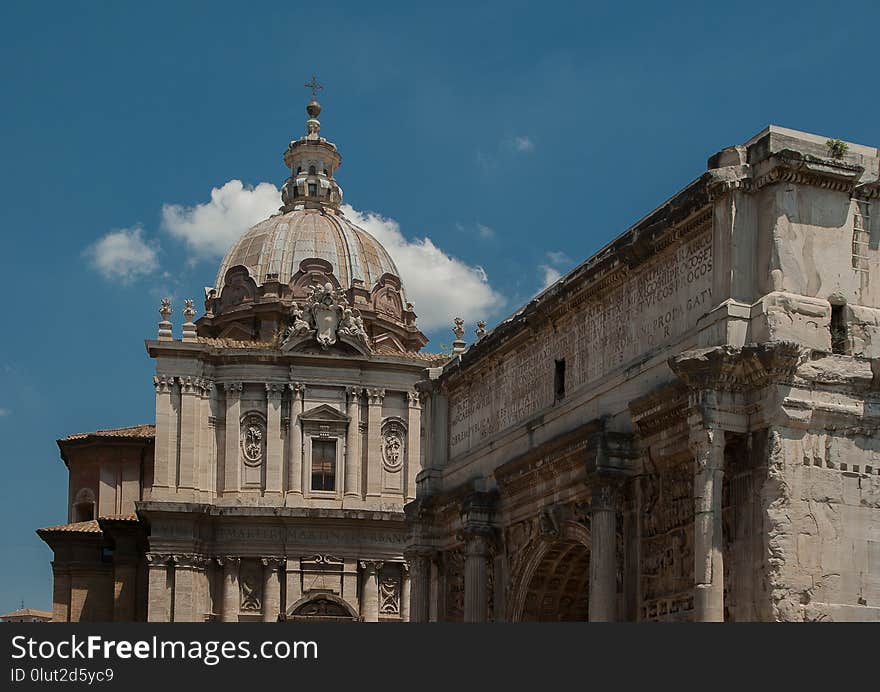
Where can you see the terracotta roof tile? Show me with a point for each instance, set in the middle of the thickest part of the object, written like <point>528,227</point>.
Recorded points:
<point>144,431</point>
<point>119,517</point>
<point>26,612</point>
<point>90,526</point>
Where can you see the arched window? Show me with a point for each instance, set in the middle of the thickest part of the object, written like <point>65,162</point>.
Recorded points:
<point>311,170</point>
<point>84,505</point>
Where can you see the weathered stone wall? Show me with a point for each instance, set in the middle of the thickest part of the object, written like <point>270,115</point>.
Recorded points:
<point>597,333</point>
<point>823,526</point>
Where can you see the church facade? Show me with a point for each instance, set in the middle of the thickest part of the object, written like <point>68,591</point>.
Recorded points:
<point>684,427</point>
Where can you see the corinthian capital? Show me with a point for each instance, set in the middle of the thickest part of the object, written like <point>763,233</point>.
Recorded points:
<point>232,388</point>
<point>375,396</point>
<point>164,383</point>
<point>414,399</point>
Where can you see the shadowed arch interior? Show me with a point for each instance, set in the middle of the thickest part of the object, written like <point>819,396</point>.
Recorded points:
<point>558,588</point>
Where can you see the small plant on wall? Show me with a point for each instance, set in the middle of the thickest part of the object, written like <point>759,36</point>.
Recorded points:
<point>836,148</point>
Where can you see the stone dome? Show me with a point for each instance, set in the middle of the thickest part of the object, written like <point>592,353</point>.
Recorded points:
<point>274,268</point>
<point>274,249</point>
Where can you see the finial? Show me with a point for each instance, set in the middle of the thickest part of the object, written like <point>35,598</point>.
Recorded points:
<point>314,86</point>
<point>480,331</point>
<point>189,329</point>
<point>313,108</point>
<point>459,345</point>
<point>165,310</point>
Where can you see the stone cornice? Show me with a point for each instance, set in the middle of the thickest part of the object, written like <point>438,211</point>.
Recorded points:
<point>732,369</point>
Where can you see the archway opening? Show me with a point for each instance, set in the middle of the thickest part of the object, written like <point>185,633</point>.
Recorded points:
<point>558,588</point>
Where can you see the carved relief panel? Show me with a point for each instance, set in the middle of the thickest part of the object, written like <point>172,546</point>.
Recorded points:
<point>253,447</point>
<point>250,582</point>
<point>389,591</point>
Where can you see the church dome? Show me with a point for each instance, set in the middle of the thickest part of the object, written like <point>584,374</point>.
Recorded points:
<point>275,266</point>
<point>274,249</point>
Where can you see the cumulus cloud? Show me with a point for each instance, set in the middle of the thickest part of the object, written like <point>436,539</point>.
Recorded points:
<point>123,255</point>
<point>209,229</point>
<point>440,286</point>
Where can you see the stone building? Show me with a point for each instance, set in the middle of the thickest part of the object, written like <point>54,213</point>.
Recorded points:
<point>685,427</point>
<point>286,441</point>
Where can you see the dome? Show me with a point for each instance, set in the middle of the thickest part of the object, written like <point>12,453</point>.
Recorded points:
<point>275,268</point>
<point>275,248</point>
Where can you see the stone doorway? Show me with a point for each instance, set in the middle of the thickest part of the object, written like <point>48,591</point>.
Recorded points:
<point>556,587</point>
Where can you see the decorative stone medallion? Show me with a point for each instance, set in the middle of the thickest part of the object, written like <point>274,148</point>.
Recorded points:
<point>253,439</point>
<point>393,436</point>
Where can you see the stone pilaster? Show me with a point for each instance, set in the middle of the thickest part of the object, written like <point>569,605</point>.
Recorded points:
<point>231,598</point>
<point>272,588</point>
<point>188,458</point>
<point>413,444</point>
<point>374,442</point>
<point>186,598</point>
<point>370,591</point>
<point>207,463</point>
<point>165,451</point>
<point>352,483</point>
<point>274,437</point>
<point>603,553</point>
<point>295,476</point>
<point>158,593</point>
<point>405,587</point>
<point>232,461</point>
<point>707,445</point>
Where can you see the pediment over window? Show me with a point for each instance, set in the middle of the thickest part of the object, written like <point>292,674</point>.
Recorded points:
<point>324,414</point>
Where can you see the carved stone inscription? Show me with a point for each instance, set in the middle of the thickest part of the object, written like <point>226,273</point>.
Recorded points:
<point>661,301</point>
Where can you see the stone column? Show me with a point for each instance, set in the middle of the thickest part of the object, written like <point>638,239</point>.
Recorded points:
<point>207,478</point>
<point>190,400</point>
<point>232,457</point>
<point>476,576</point>
<point>230,588</point>
<point>413,444</point>
<point>158,595</point>
<point>603,553</point>
<point>370,591</point>
<point>274,438</point>
<point>271,588</point>
<point>374,442</point>
<point>707,445</point>
<point>165,452</point>
<point>419,589</point>
<point>353,444</point>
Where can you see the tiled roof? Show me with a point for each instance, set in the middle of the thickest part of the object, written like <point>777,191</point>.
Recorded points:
<point>27,612</point>
<point>145,431</point>
<point>90,526</point>
<point>119,517</point>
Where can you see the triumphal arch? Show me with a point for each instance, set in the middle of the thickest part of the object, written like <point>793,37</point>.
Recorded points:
<point>685,427</point>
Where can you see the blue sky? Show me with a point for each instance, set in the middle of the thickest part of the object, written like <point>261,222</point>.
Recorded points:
<point>518,137</point>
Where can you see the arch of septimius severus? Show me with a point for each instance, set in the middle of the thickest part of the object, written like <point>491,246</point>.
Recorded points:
<point>684,427</point>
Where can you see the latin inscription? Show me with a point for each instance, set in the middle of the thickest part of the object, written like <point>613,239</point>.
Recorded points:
<point>659,303</point>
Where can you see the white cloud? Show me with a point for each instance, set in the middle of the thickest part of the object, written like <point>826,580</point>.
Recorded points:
<point>523,144</point>
<point>123,255</point>
<point>4,412</point>
<point>485,232</point>
<point>551,271</point>
<point>211,228</point>
<point>550,275</point>
<point>441,287</point>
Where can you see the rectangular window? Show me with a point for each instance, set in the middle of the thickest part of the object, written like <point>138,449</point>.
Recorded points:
<point>324,465</point>
<point>559,380</point>
<point>313,189</point>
